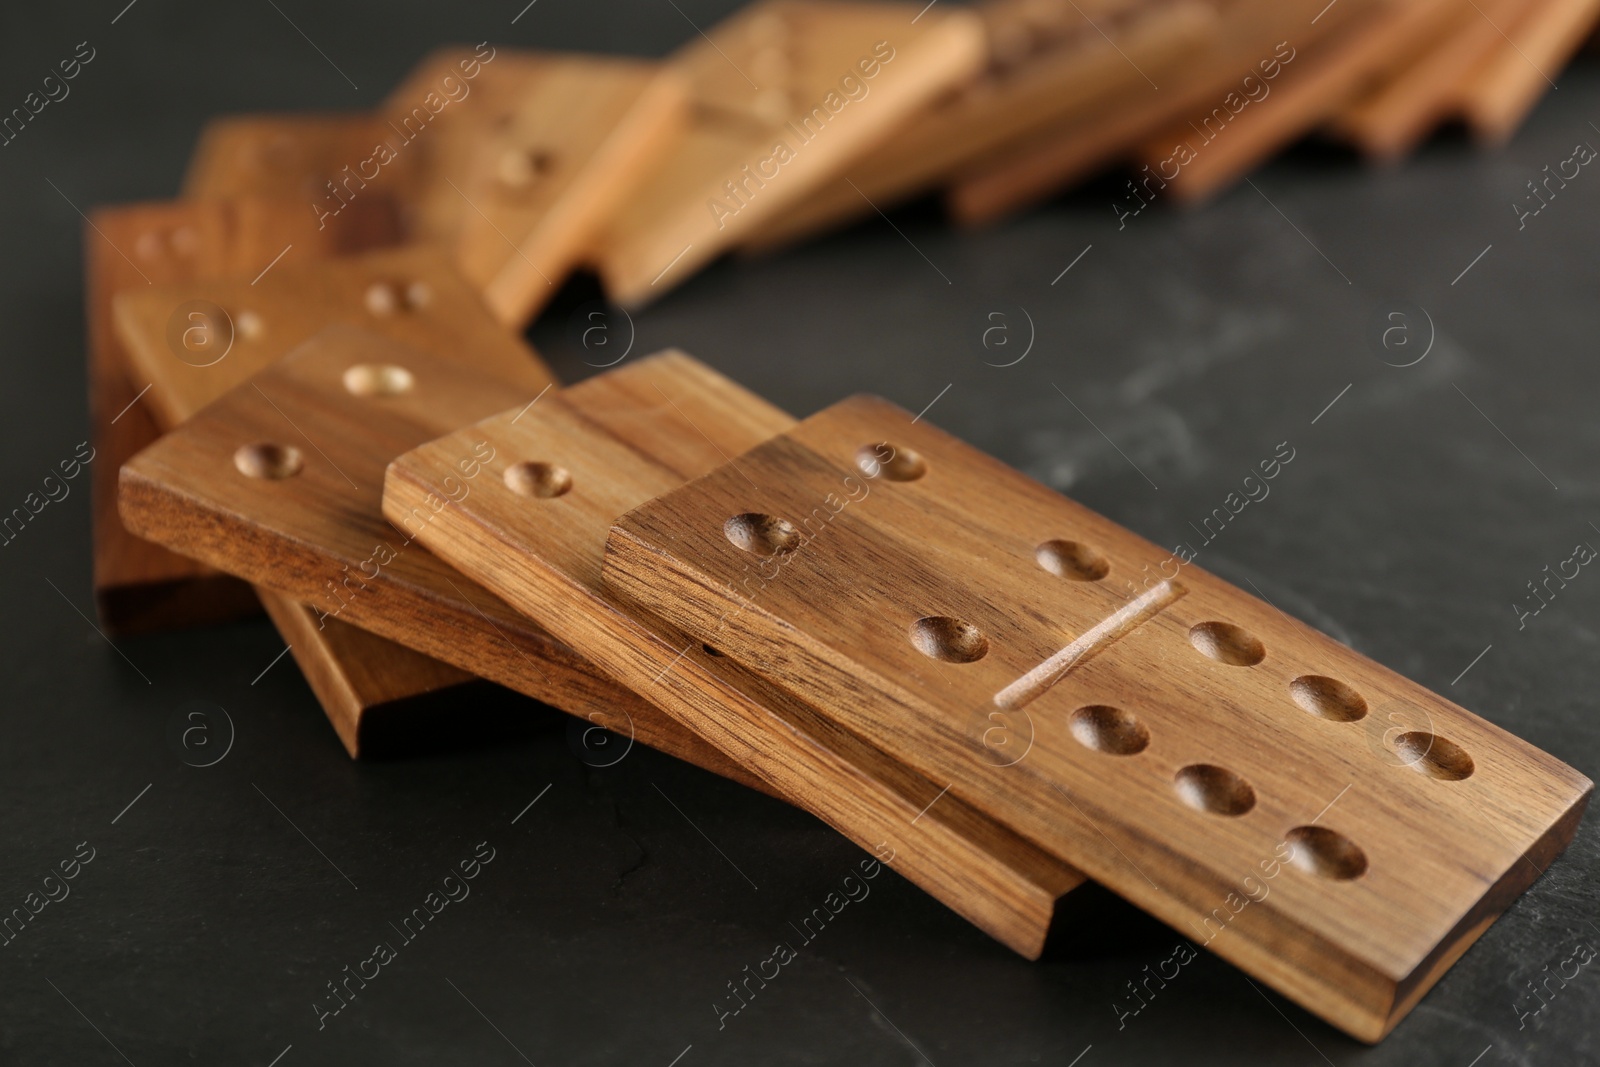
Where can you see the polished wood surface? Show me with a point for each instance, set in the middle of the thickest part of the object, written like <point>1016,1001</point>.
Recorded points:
<point>139,586</point>
<point>1335,830</point>
<point>280,481</point>
<point>194,340</point>
<point>533,530</point>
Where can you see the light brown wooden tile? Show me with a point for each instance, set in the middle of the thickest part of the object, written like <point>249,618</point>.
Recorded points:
<point>527,159</point>
<point>610,444</point>
<point>1049,62</point>
<point>1337,831</point>
<point>280,482</point>
<point>140,586</point>
<point>784,96</point>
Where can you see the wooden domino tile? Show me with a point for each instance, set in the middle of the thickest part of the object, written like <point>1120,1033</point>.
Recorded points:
<point>294,157</point>
<point>784,96</point>
<point>1392,118</point>
<point>1335,830</point>
<point>197,340</point>
<point>512,159</point>
<point>280,482</point>
<point>140,586</point>
<point>525,159</point>
<point>1497,96</point>
<point>1047,61</point>
<point>1032,168</point>
<point>227,329</point>
<point>354,674</point>
<point>533,531</point>
<point>1329,71</point>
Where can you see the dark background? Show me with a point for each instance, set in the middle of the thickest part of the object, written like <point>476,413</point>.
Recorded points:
<point>607,925</point>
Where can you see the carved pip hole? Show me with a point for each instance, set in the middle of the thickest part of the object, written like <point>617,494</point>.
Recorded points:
<point>268,461</point>
<point>378,379</point>
<point>1227,643</point>
<point>537,479</point>
<point>180,241</point>
<point>1107,729</point>
<point>761,535</point>
<point>1435,756</point>
<point>1328,698</point>
<point>897,463</point>
<point>1073,560</point>
<point>521,167</point>
<point>944,637</point>
<point>1207,787</point>
<point>1326,853</point>
<point>249,325</point>
<point>394,297</point>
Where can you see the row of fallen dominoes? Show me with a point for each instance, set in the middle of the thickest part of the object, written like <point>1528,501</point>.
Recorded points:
<point>308,380</point>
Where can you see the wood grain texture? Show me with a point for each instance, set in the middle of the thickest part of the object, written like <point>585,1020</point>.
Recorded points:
<point>194,340</point>
<point>784,96</point>
<point>140,586</point>
<point>1029,170</point>
<point>1047,63</point>
<point>527,158</point>
<point>1497,96</point>
<point>280,482</point>
<point>1335,830</point>
<point>618,440</point>
<point>1392,118</point>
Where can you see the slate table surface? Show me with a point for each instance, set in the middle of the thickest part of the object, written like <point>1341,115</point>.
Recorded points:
<point>616,909</point>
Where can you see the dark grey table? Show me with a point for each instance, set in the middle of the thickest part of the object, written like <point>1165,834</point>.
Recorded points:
<point>221,900</point>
